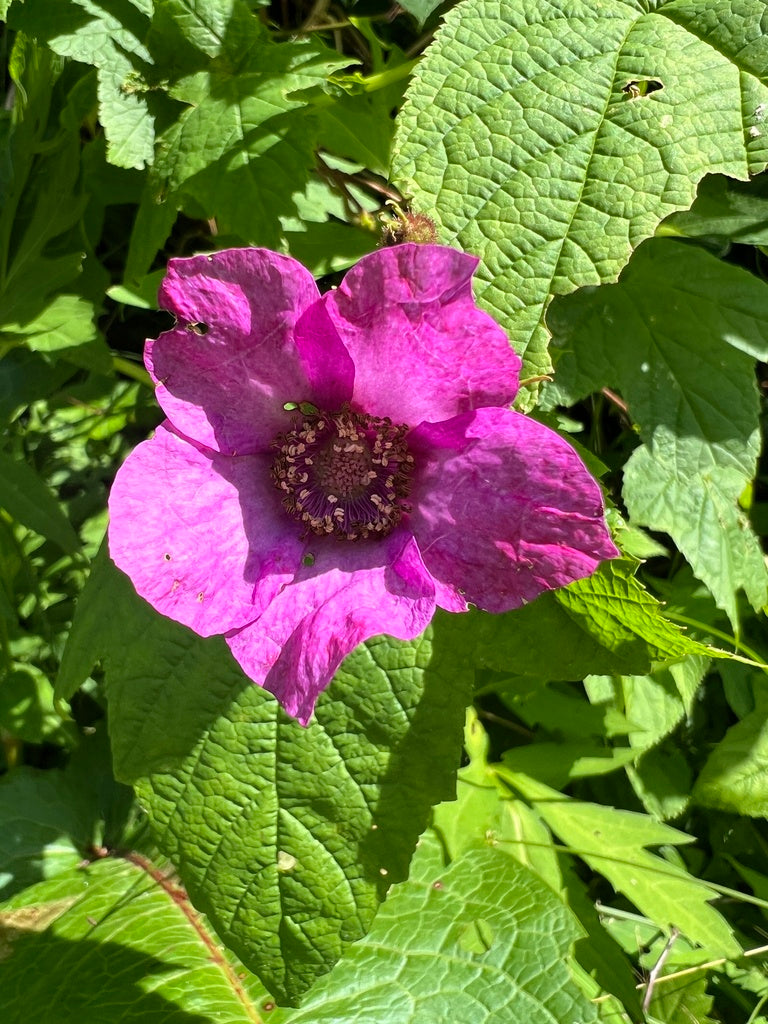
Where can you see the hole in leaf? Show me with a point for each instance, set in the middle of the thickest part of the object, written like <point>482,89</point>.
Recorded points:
<point>641,87</point>
<point>198,328</point>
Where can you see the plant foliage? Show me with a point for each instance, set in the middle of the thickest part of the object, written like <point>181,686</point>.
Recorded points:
<point>549,815</point>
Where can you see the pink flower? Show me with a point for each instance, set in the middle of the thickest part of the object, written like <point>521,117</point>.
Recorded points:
<point>400,481</point>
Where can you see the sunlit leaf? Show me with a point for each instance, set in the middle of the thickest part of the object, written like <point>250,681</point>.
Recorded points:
<point>550,139</point>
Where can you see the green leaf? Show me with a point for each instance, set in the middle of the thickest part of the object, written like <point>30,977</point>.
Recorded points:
<point>359,125</point>
<point>616,609</point>
<point>26,376</point>
<point>728,209</point>
<point>204,24</point>
<point>656,703</point>
<point>27,499</point>
<point>42,202</point>
<point>530,136</point>
<point>41,174</point>
<point>324,818</point>
<point>253,185</point>
<point>117,940</point>
<point>653,705</point>
<point>611,842</point>
<point>112,39</point>
<point>608,619</point>
<point>562,711</point>
<point>683,360</point>
<point>558,763</point>
<point>248,83</point>
<point>734,777</point>
<point>484,813</point>
<point>50,819</point>
<point>513,642</point>
<point>320,235</point>
<point>420,9</point>
<point>64,329</point>
<point>26,706</point>
<point>245,140</point>
<point>597,952</point>
<point>468,942</point>
<point>151,228</point>
<point>329,247</point>
<point>682,1001</point>
<point>44,826</point>
<point>143,295</point>
<point>663,780</point>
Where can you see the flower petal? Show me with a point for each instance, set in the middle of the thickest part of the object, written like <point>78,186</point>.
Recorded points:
<point>327,364</point>
<point>227,368</point>
<point>422,349</point>
<point>349,594</point>
<point>504,508</point>
<point>202,536</point>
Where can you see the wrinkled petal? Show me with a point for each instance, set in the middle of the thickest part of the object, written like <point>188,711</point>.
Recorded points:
<point>421,348</point>
<point>504,509</point>
<point>230,364</point>
<point>349,594</point>
<point>201,535</point>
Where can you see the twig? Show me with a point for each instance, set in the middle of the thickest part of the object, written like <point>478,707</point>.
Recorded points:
<point>506,722</point>
<point>617,400</point>
<point>758,951</point>
<point>656,969</point>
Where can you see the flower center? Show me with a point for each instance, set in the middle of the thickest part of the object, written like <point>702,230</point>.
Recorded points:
<point>344,474</point>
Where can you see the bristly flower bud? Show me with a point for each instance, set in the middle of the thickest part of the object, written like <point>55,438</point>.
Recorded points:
<point>406,226</point>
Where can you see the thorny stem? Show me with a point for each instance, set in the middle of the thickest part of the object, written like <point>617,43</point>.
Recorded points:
<point>388,191</point>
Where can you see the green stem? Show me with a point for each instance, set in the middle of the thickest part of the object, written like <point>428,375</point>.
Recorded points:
<point>624,915</point>
<point>705,628</point>
<point>384,78</point>
<point>753,1016</point>
<point>129,369</point>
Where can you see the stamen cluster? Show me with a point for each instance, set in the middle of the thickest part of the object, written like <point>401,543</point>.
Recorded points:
<point>344,474</point>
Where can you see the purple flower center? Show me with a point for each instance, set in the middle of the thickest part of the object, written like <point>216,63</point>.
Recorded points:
<point>344,473</point>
